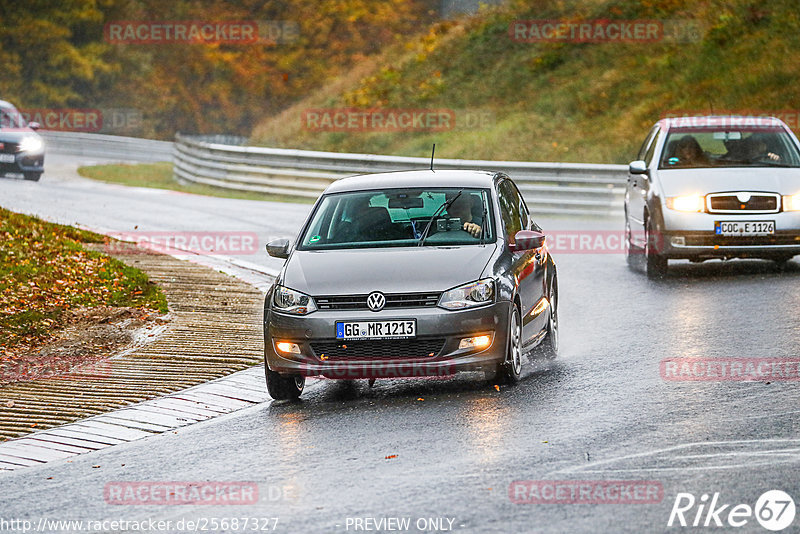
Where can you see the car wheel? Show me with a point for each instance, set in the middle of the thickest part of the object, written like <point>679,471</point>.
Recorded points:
<point>510,370</point>
<point>548,348</point>
<point>781,261</point>
<point>284,387</point>
<point>32,176</point>
<point>656,264</point>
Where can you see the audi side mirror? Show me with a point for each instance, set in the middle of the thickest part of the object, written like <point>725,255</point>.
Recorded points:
<point>527,240</point>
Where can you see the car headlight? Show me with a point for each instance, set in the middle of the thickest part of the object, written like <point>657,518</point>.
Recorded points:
<point>469,295</point>
<point>31,144</point>
<point>290,301</point>
<point>686,203</point>
<point>791,202</point>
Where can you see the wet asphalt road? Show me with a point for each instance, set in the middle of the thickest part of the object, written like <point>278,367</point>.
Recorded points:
<point>451,449</point>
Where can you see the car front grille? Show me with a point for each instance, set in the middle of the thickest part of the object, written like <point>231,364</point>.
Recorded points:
<point>730,203</point>
<point>383,349</point>
<point>397,300</point>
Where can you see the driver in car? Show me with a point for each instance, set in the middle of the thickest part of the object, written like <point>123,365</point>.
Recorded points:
<point>462,208</point>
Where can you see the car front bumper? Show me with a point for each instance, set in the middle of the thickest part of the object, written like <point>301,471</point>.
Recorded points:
<point>24,162</point>
<point>436,327</point>
<point>692,236</point>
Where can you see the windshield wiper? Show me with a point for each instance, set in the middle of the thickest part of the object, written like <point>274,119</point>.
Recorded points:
<point>484,223</point>
<point>446,204</point>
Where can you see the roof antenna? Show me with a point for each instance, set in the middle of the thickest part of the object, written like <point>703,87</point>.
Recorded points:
<point>432,153</point>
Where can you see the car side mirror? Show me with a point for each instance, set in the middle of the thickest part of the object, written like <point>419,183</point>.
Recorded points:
<point>278,248</point>
<point>34,125</point>
<point>637,167</point>
<point>527,240</point>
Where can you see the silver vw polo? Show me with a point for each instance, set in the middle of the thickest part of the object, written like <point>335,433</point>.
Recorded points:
<point>411,274</point>
<point>714,187</point>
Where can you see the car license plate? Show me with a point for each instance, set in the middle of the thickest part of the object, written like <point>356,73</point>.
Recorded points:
<point>744,228</point>
<point>397,329</point>
<point>7,158</point>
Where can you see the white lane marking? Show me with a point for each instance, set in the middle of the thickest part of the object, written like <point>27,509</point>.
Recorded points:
<point>670,455</point>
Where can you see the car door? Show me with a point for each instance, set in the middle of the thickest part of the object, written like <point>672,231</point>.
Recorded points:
<point>527,265</point>
<point>637,188</point>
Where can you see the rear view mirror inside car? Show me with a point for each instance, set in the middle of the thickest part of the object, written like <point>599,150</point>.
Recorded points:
<point>726,136</point>
<point>405,202</point>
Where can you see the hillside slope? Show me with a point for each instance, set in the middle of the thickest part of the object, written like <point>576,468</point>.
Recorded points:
<point>562,101</point>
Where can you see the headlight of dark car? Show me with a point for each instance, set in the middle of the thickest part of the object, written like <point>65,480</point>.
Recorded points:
<point>290,301</point>
<point>31,144</point>
<point>476,293</point>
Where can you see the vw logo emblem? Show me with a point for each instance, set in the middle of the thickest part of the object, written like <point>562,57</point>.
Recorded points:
<point>376,301</point>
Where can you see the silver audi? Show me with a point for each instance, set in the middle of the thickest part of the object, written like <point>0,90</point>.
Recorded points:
<point>411,274</point>
<point>714,187</point>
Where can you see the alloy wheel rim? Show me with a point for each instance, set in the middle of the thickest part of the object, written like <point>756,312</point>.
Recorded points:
<point>554,320</point>
<point>516,354</point>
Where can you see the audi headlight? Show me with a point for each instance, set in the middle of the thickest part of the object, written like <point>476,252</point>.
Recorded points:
<point>469,295</point>
<point>290,301</point>
<point>791,203</point>
<point>686,203</point>
<point>31,144</point>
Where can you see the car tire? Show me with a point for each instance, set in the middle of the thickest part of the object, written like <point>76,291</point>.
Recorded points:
<point>510,370</point>
<point>32,176</point>
<point>548,348</point>
<point>284,387</point>
<point>632,252</point>
<point>782,261</point>
<point>656,265</point>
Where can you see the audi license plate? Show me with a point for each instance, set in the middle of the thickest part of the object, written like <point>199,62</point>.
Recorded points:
<point>398,329</point>
<point>744,228</point>
<point>7,158</point>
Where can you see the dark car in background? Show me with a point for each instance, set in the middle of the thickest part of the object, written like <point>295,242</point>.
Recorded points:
<point>21,148</point>
<point>714,187</point>
<point>411,274</point>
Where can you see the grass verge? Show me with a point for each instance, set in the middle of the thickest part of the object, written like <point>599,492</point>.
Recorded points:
<point>159,176</point>
<point>45,271</point>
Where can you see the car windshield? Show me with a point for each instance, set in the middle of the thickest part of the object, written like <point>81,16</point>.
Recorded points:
<point>11,118</point>
<point>731,147</point>
<point>398,218</point>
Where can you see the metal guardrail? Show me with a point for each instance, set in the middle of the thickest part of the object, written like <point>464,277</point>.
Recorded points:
<point>115,147</point>
<point>568,188</point>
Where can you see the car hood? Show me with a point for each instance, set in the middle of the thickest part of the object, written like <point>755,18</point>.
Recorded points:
<point>703,181</point>
<point>400,270</point>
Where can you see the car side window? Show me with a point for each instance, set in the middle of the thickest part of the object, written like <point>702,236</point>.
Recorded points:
<point>648,157</point>
<point>648,142</point>
<point>512,209</point>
